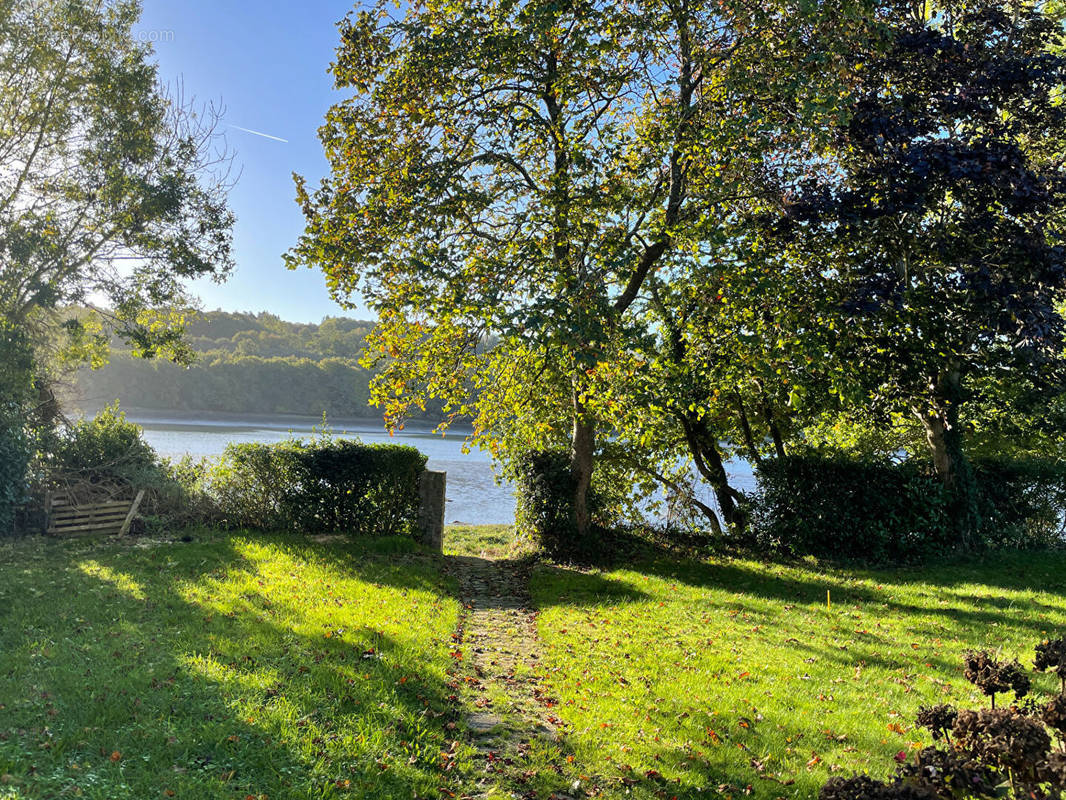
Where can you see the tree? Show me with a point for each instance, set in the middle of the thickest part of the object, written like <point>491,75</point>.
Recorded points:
<point>112,191</point>
<point>517,173</point>
<point>16,384</point>
<point>934,231</point>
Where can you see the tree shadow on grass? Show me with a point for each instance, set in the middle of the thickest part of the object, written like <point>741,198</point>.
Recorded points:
<point>123,674</point>
<point>754,585</point>
<point>915,605</point>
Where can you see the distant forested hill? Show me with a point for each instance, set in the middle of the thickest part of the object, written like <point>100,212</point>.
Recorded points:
<point>253,363</point>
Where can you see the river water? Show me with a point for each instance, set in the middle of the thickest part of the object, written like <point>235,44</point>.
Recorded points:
<point>473,495</point>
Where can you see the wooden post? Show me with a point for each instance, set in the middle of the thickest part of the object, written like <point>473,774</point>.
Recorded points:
<point>431,488</point>
<point>132,513</point>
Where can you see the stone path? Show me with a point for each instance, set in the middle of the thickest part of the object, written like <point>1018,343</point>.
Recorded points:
<point>499,665</point>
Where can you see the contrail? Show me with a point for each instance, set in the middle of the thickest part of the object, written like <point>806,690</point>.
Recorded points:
<point>258,133</point>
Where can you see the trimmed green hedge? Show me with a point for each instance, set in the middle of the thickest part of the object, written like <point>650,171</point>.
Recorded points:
<point>835,507</point>
<point>544,491</point>
<point>838,508</point>
<point>320,486</point>
<point>1022,502</point>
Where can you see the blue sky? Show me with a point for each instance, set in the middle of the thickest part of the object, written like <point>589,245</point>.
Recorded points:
<point>266,63</point>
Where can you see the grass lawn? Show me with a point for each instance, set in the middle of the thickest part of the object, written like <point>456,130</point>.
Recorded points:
<point>733,678</point>
<point>236,666</point>
<point>485,541</point>
<point>226,667</point>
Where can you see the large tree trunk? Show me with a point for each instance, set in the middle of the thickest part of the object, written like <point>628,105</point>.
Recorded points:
<point>940,419</point>
<point>936,435</point>
<point>703,446</point>
<point>582,454</point>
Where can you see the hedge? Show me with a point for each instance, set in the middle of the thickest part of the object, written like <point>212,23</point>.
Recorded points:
<point>1022,501</point>
<point>320,486</point>
<point>544,491</point>
<point>839,508</point>
<point>835,507</point>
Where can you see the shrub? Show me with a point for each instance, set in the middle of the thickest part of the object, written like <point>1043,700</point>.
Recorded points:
<point>182,497</point>
<point>104,452</point>
<point>544,489</point>
<point>836,507</point>
<point>107,455</point>
<point>1022,502</point>
<point>323,485</point>
<point>985,753</point>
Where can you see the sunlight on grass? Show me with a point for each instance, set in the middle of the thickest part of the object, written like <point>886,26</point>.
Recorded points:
<point>485,541</point>
<point>689,677</point>
<point>121,581</point>
<point>222,668</point>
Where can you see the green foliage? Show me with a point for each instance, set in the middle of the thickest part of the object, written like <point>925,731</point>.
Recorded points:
<point>544,489</point>
<point>838,508</point>
<point>107,168</point>
<point>507,179</point>
<point>104,451</point>
<point>322,485</point>
<point>16,370</point>
<point>940,211</point>
<point>106,455</point>
<point>835,506</point>
<point>245,363</point>
<point>1022,501</point>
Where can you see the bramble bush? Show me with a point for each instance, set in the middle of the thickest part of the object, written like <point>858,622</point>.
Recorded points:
<point>108,456</point>
<point>321,485</point>
<point>105,451</point>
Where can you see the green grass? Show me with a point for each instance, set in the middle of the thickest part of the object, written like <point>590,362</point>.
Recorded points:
<point>485,541</point>
<point>270,666</point>
<point>224,667</point>
<point>683,680</point>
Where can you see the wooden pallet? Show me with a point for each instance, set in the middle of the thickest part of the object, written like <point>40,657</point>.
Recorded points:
<point>66,518</point>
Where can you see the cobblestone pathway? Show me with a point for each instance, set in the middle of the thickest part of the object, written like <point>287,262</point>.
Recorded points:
<point>499,667</point>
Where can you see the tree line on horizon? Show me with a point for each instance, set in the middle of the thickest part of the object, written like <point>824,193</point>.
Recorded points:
<point>241,362</point>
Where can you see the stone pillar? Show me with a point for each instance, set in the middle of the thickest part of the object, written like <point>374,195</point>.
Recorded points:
<point>431,487</point>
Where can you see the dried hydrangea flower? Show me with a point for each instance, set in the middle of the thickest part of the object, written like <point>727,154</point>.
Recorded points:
<point>949,772</point>
<point>993,677</point>
<point>1055,771</point>
<point>1003,737</point>
<point>862,787</point>
<point>937,719</point>
<point>1054,713</point>
<point>1051,655</point>
<point>858,787</point>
